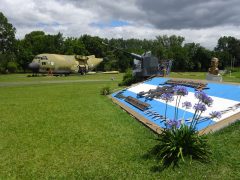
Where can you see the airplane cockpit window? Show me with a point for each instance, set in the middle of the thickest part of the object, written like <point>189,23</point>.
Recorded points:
<point>41,57</point>
<point>44,58</point>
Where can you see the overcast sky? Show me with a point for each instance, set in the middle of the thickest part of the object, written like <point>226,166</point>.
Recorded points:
<point>200,21</point>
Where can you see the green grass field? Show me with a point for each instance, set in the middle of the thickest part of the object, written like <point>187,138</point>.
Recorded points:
<point>25,78</point>
<point>235,76</point>
<point>68,131</point>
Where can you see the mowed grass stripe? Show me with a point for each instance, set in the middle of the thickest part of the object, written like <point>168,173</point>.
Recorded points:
<point>24,77</point>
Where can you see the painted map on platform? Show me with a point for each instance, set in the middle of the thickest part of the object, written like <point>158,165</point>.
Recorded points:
<point>226,99</point>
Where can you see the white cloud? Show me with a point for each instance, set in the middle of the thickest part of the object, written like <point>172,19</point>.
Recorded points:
<point>74,18</point>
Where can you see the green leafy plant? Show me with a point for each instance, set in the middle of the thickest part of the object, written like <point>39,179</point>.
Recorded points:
<point>178,144</point>
<point>105,91</point>
<point>12,67</point>
<point>180,140</point>
<point>128,79</point>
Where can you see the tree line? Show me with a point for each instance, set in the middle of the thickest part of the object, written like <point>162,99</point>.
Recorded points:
<point>16,54</point>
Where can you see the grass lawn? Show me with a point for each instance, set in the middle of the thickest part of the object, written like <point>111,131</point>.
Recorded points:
<point>235,76</point>
<point>24,78</point>
<point>70,131</point>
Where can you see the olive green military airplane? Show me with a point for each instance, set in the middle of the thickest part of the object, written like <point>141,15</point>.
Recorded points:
<point>63,64</point>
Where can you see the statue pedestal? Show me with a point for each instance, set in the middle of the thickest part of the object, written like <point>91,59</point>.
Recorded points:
<point>212,77</point>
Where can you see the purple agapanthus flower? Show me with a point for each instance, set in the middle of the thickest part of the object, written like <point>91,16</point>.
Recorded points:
<point>200,107</point>
<point>215,114</point>
<point>204,98</point>
<point>180,90</point>
<point>187,104</point>
<point>173,123</point>
<point>167,97</point>
<point>200,95</point>
<point>207,100</point>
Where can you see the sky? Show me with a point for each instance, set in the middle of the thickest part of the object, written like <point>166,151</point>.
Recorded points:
<point>199,21</point>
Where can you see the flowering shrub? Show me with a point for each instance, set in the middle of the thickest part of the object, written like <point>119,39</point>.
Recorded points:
<point>172,124</point>
<point>181,143</point>
<point>178,140</point>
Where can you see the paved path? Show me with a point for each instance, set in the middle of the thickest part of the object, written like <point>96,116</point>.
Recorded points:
<point>23,83</point>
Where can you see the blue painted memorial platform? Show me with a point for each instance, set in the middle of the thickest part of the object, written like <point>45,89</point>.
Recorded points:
<point>226,99</point>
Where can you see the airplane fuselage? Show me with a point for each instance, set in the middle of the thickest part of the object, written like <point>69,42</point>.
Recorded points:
<point>63,64</point>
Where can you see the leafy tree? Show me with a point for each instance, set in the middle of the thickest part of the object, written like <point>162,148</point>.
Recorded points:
<point>109,63</point>
<point>181,59</point>
<point>7,36</point>
<point>53,43</point>
<point>124,62</point>
<point>228,48</point>
<point>35,43</point>
<point>93,45</point>
<point>24,54</point>
<point>7,43</point>
<point>38,42</point>
<point>226,44</point>
<point>170,41</point>
<point>192,49</point>
<point>203,56</point>
<point>74,46</point>
<point>159,50</point>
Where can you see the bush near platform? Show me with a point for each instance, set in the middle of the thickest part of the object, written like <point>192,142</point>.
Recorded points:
<point>105,91</point>
<point>128,78</point>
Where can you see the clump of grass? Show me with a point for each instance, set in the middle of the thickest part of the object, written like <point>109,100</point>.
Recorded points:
<point>105,91</point>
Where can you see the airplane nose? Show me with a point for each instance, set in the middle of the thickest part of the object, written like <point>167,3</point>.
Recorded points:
<point>34,66</point>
